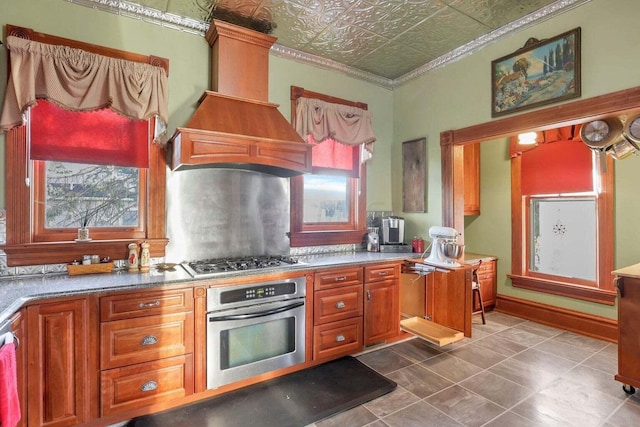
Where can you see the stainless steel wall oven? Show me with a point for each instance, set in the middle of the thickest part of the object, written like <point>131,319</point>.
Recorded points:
<point>254,328</point>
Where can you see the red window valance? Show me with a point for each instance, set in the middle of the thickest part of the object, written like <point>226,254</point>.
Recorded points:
<point>331,157</point>
<point>100,137</point>
<point>561,167</point>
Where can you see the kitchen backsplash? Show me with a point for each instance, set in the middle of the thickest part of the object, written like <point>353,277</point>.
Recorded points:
<point>373,220</point>
<point>28,270</point>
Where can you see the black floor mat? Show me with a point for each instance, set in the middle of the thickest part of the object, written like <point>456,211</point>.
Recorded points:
<point>295,399</point>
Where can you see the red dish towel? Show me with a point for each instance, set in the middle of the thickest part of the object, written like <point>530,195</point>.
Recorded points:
<point>9,402</point>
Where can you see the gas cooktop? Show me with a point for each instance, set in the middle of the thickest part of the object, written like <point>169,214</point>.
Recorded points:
<point>209,267</point>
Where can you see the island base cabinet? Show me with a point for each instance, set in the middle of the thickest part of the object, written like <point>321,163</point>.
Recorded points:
<point>628,332</point>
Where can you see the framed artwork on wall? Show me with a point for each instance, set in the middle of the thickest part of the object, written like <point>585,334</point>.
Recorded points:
<point>541,72</point>
<point>414,173</point>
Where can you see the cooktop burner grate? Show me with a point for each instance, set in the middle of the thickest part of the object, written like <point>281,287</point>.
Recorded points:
<point>221,265</point>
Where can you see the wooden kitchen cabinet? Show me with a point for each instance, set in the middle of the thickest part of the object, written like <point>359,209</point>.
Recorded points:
<point>628,285</point>
<point>472,179</point>
<point>436,306</point>
<point>340,303</point>
<point>335,339</point>
<point>449,298</point>
<point>62,359</point>
<point>337,312</point>
<point>382,303</point>
<point>146,348</point>
<point>19,329</point>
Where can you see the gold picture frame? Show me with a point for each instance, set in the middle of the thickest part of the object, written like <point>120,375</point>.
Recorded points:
<point>542,72</point>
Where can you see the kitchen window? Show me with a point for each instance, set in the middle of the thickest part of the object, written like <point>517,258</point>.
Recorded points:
<point>326,199</point>
<point>92,174</point>
<point>53,186</point>
<point>105,198</point>
<point>328,206</point>
<point>563,194</point>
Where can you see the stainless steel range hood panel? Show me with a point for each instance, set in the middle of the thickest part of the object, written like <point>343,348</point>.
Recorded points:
<point>235,127</point>
<point>217,213</point>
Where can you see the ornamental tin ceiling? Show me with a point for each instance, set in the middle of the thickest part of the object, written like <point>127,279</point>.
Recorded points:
<point>384,41</point>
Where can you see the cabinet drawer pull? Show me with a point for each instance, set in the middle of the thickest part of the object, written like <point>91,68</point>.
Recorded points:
<point>383,273</point>
<point>341,278</point>
<point>340,338</point>
<point>340,304</point>
<point>149,340</point>
<point>149,304</point>
<point>149,386</point>
<point>368,295</point>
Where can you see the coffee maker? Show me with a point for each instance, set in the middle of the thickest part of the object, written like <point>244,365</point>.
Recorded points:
<point>393,230</point>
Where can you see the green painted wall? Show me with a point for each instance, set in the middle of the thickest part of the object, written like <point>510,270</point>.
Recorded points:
<point>285,73</point>
<point>458,95</point>
<point>451,97</point>
<point>189,59</point>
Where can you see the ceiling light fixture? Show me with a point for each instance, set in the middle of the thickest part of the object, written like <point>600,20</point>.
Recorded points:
<point>527,138</point>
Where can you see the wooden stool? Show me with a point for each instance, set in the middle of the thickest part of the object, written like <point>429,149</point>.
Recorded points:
<point>475,288</point>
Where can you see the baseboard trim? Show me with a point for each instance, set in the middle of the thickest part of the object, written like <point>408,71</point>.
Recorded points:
<point>585,324</point>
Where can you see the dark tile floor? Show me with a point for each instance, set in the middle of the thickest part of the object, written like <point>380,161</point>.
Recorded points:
<point>512,373</point>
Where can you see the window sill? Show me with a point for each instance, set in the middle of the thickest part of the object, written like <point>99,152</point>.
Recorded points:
<point>66,252</point>
<point>318,238</point>
<point>564,289</point>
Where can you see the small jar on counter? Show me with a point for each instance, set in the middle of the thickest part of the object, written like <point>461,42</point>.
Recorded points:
<point>145,257</point>
<point>418,245</point>
<point>132,261</point>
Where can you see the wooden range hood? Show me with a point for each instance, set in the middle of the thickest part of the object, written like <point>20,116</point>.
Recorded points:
<point>234,125</point>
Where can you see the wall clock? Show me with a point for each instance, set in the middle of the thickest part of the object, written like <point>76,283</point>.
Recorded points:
<point>601,133</point>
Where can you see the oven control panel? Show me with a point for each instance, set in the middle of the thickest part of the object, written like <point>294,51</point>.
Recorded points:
<point>257,292</point>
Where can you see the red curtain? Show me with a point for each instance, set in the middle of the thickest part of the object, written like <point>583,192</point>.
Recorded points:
<point>331,157</point>
<point>96,137</point>
<point>561,167</point>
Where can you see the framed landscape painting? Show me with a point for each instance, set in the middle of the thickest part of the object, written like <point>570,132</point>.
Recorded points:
<point>540,73</point>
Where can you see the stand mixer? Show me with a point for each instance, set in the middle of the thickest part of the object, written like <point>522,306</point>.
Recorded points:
<point>444,250</point>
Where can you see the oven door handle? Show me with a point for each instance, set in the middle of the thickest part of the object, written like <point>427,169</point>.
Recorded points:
<point>256,315</point>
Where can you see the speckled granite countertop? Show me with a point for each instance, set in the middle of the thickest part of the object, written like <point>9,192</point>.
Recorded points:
<point>15,291</point>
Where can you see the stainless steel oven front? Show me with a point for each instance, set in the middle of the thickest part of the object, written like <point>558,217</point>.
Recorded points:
<point>254,328</point>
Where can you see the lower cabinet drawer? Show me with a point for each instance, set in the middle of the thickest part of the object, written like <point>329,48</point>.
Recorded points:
<point>337,338</point>
<point>337,304</point>
<point>135,386</point>
<point>125,342</point>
